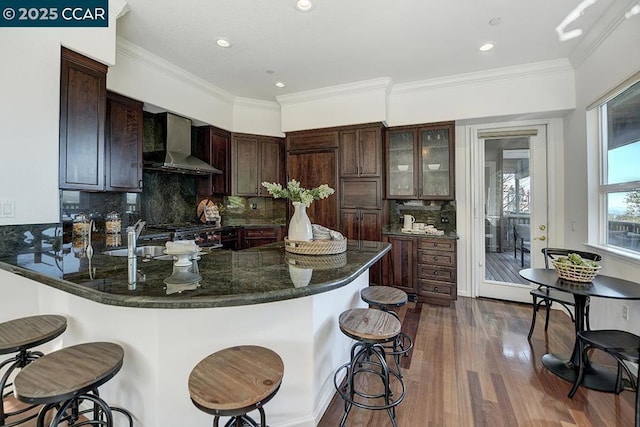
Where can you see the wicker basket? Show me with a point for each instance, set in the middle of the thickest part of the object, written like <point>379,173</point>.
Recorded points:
<point>575,273</point>
<point>315,247</point>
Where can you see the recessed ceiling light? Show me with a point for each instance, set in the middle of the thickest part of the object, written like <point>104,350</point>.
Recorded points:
<point>304,5</point>
<point>223,42</point>
<point>485,47</point>
<point>495,21</point>
<point>280,84</point>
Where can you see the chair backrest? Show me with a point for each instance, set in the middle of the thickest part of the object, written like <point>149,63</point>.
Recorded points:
<point>522,231</point>
<point>553,253</point>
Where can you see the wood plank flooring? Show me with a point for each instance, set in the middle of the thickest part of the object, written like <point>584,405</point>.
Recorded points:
<point>503,267</point>
<point>473,366</point>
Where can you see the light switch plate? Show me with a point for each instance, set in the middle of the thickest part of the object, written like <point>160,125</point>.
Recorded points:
<point>7,208</point>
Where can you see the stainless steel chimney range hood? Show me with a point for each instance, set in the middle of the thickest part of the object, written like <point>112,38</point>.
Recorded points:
<point>169,136</point>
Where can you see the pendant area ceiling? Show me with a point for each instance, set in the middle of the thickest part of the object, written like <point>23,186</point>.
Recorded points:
<point>346,41</point>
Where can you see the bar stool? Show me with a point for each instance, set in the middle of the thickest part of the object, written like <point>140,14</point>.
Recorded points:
<point>386,298</point>
<point>371,328</point>
<point>20,336</point>
<point>63,379</point>
<point>235,381</point>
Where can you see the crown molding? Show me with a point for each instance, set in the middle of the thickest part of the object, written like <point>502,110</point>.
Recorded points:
<point>147,58</point>
<point>118,8</point>
<point>514,72</point>
<point>608,22</point>
<point>256,103</point>
<point>383,83</point>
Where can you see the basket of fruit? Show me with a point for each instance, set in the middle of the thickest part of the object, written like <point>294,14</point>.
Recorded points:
<point>575,268</point>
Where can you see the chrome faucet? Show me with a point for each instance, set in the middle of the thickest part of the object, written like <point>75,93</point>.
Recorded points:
<point>138,226</point>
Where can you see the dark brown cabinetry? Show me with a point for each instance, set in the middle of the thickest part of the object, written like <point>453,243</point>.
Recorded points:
<point>253,236</point>
<point>420,162</point>
<point>83,92</point>
<point>213,145</point>
<point>398,266</point>
<point>123,144</point>
<point>230,239</point>
<point>312,160</point>
<point>437,270</point>
<point>256,159</point>
<point>422,266</point>
<point>361,152</point>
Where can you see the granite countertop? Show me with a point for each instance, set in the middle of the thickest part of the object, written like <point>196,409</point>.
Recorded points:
<point>396,230</point>
<point>229,278</point>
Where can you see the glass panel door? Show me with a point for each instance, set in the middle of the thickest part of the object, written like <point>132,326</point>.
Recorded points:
<point>434,159</point>
<point>512,197</point>
<point>401,164</point>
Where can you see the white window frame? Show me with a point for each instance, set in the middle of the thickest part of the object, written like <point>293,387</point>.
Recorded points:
<point>596,114</point>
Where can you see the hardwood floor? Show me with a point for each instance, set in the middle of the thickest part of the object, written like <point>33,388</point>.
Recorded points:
<point>473,366</point>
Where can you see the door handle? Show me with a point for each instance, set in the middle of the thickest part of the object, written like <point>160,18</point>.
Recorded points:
<point>541,238</point>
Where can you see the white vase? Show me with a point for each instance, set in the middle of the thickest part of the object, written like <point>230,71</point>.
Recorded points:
<point>300,225</point>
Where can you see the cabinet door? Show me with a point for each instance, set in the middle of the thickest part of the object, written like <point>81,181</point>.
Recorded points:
<point>245,166</point>
<point>398,267</point>
<point>436,163</point>
<point>360,153</point>
<point>370,152</point>
<point>83,95</point>
<point>213,145</point>
<point>271,164</point>
<point>401,164</point>
<point>123,145</point>
<point>361,193</point>
<point>311,170</point>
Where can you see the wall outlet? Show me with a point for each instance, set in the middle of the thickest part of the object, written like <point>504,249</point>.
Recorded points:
<point>444,219</point>
<point>625,312</point>
<point>7,208</point>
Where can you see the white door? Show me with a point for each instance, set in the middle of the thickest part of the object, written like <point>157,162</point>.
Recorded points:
<point>510,207</point>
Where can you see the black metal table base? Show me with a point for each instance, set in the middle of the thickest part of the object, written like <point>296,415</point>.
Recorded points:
<point>596,377</point>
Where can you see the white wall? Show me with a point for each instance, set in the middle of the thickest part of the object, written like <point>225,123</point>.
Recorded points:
<point>607,65</point>
<point>30,111</point>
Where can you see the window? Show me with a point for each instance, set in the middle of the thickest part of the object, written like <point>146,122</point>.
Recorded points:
<point>619,122</point>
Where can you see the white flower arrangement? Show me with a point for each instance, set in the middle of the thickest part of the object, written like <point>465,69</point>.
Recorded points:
<point>295,193</point>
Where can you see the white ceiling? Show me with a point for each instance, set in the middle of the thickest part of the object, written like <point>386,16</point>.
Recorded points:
<point>345,41</point>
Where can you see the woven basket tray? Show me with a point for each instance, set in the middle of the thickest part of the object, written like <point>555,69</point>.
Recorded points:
<point>575,273</point>
<point>315,247</point>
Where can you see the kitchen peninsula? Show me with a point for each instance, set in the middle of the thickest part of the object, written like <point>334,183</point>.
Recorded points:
<point>260,296</point>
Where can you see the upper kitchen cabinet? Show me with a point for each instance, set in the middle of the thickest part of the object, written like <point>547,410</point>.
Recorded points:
<point>361,152</point>
<point>83,95</point>
<point>256,159</point>
<point>213,145</point>
<point>420,162</point>
<point>123,144</point>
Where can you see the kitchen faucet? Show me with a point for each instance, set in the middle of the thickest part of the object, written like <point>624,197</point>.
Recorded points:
<point>133,232</point>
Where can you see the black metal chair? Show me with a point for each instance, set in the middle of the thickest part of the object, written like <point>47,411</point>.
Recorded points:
<point>522,241</point>
<point>542,295</point>
<point>622,346</point>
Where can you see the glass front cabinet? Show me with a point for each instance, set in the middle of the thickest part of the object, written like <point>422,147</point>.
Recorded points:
<point>420,162</point>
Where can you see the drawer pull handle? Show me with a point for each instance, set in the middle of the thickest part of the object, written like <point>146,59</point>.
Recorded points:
<point>435,273</point>
<point>435,258</point>
<point>435,289</point>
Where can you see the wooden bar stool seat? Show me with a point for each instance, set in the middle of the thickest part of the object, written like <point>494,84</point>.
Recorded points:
<point>19,336</point>
<point>64,378</point>
<point>235,381</point>
<point>371,328</point>
<point>387,298</point>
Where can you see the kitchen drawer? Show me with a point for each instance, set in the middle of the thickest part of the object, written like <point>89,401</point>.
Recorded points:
<point>430,257</point>
<point>258,233</point>
<point>436,289</point>
<point>437,244</point>
<point>437,273</point>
